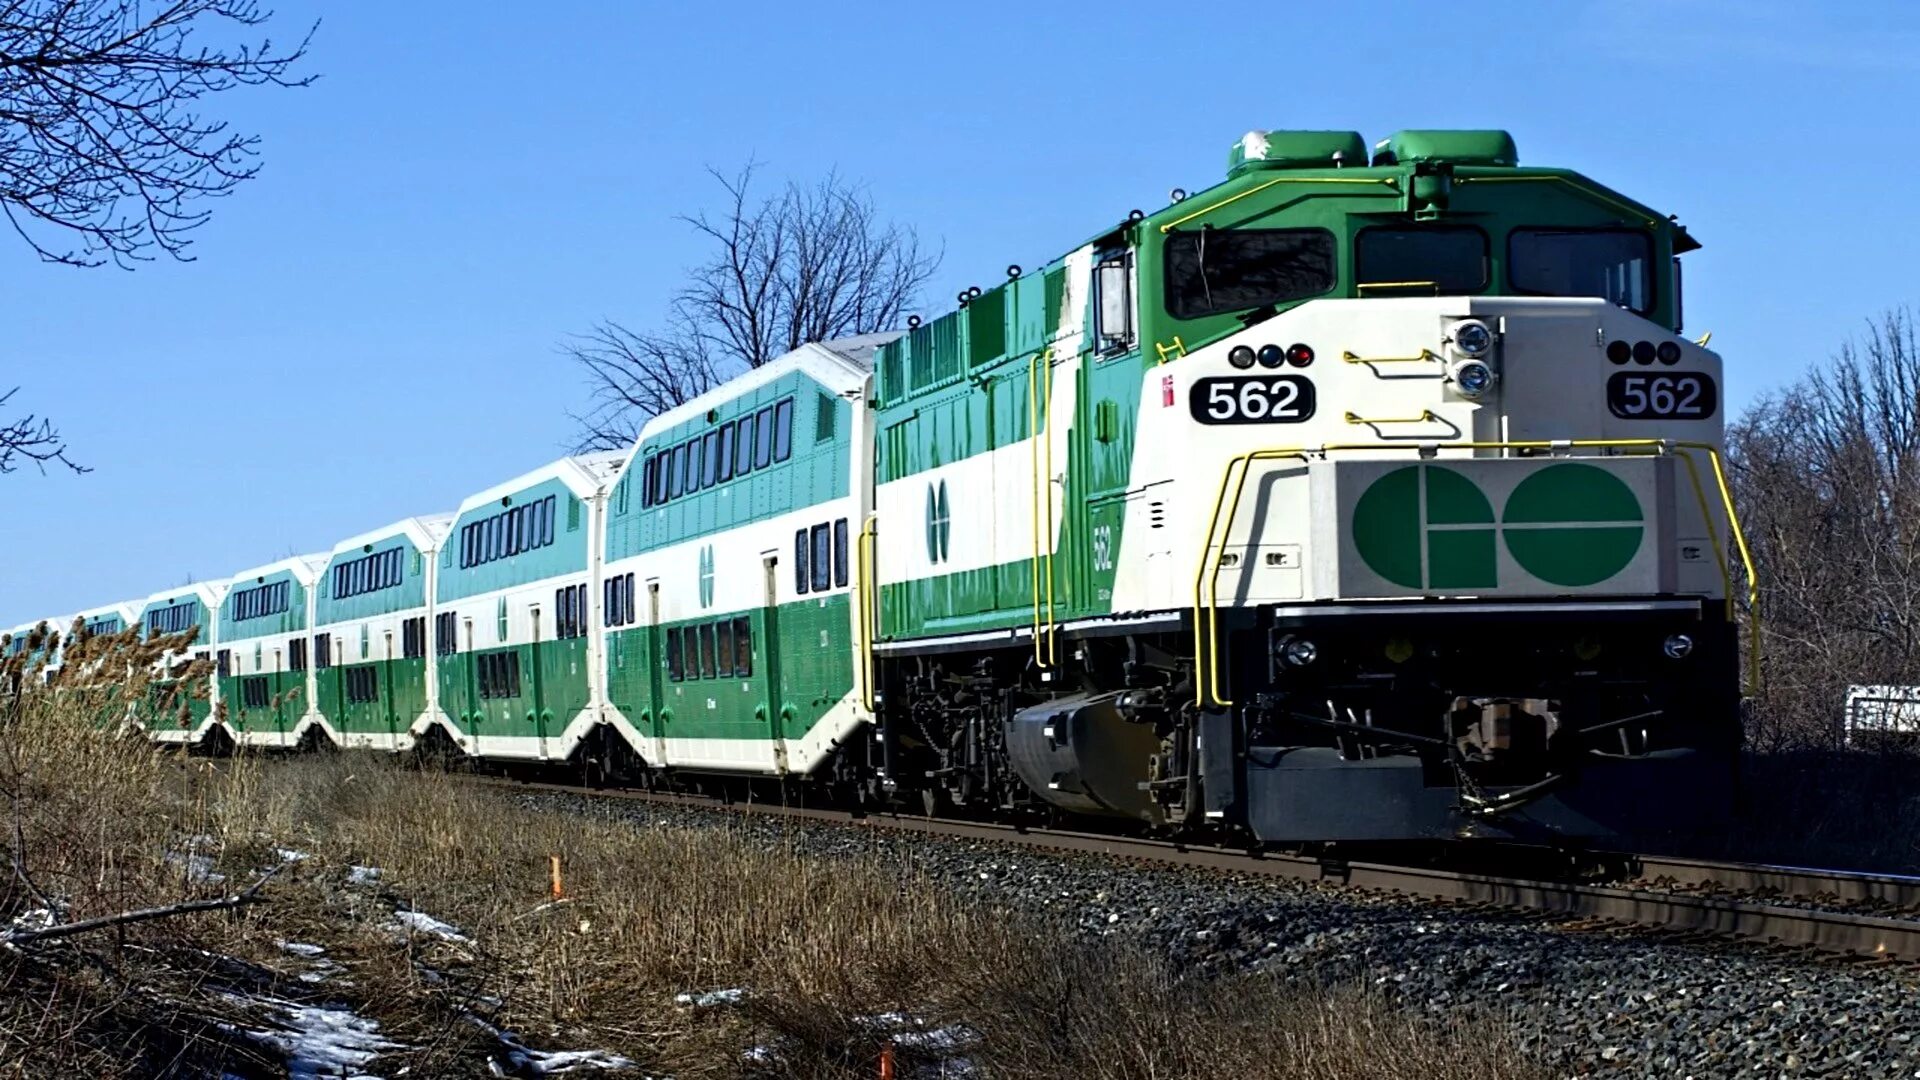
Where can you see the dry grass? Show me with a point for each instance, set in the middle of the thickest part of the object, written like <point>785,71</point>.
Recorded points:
<point>818,944</point>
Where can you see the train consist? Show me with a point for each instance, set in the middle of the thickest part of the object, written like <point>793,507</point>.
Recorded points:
<point>1366,495</point>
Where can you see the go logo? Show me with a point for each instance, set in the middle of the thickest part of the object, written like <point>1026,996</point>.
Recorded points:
<point>706,576</point>
<point>939,523</point>
<point>1428,526</point>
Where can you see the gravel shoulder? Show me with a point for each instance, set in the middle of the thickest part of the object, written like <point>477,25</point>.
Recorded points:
<point>1587,1001</point>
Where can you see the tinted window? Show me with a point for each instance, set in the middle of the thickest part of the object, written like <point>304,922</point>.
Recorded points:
<point>710,459</point>
<point>743,446</point>
<point>783,430</point>
<point>822,559</point>
<point>1615,265</point>
<point>1428,260</point>
<point>693,465</point>
<point>1213,271</point>
<point>676,472</point>
<point>800,561</point>
<point>706,651</point>
<point>742,647</point>
<point>723,648</point>
<point>763,438</point>
<point>726,452</point>
<point>674,667</point>
<point>840,552</point>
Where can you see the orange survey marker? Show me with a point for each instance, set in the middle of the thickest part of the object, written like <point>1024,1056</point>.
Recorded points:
<point>553,863</point>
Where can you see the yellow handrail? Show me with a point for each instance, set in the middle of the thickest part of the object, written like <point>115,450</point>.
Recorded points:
<point>1586,189</point>
<point>1041,363</point>
<point>1361,285</point>
<point>1424,416</point>
<point>1351,357</point>
<point>866,610</point>
<point>1206,614</point>
<point>1179,221</point>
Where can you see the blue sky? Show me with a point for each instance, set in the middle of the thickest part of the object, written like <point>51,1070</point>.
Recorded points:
<point>370,328</point>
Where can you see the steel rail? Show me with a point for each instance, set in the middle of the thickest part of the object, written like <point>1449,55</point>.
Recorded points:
<point>1735,918</point>
<point>1894,891</point>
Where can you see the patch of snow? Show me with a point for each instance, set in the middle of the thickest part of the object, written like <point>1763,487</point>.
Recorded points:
<point>199,869</point>
<point>422,923</point>
<point>362,875</point>
<point>711,998</point>
<point>519,1059</point>
<point>288,855</point>
<point>35,919</point>
<point>301,948</point>
<point>918,1033</point>
<point>321,1042</point>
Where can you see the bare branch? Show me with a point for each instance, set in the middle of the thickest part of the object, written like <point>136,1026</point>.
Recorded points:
<point>31,439</point>
<point>104,154</point>
<point>811,263</point>
<point>251,894</point>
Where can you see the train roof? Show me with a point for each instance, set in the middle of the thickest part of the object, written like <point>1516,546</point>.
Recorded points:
<point>585,474</point>
<point>426,531</point>
<point>305,567</point>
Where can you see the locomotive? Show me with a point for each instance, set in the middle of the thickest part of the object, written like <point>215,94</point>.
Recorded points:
<point>1367,495</point>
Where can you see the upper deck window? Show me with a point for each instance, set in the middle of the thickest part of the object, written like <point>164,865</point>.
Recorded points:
<point>1615,265</point>
<point>1215,271</point>
<point>1443,260</point>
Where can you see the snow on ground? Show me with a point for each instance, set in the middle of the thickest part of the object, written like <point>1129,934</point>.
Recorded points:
<point>710,998</point>
<point>420,922</point>
<point>322,1042</point>
<point>518,1059</point>
<point>362,875</point>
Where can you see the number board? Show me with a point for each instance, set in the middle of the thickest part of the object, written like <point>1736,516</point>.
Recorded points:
<point>1683,395</point>
<point>1252,399</point>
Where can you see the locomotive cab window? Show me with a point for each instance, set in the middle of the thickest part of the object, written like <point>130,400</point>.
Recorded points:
<point>1436,260</point>
<point>1113,286</point>
<point>1615,265</point>
<point>1216,271</point>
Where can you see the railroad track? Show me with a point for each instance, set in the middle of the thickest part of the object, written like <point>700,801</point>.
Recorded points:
<point>1727,901</point>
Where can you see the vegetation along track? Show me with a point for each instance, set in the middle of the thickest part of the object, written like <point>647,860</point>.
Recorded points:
<point>1725,901</point>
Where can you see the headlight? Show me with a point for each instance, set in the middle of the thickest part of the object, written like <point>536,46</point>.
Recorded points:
<point>1472,378</point>
<point>1472,338</point>
<point>1677,646</point>
<point>1240,356</point>
<point>1299,652</point>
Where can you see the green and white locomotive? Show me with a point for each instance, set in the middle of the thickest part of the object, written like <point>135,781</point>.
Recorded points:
<point>1363,496</point>
<point>1357,497</point>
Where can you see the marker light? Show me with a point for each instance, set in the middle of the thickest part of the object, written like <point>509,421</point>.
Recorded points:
<point>1668,352</point>
<point>1472,378</point>
<point>1240,356</point>
<point>1677,646</point>
<point>1619,351</point>
<point>1643,352</point>
<point>1472,338</point>
<point>1299,652</point>
<point>1272,356</point>
<point>1299,354</point>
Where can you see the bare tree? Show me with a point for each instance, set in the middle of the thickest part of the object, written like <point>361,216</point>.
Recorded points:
<point>31,439</point>
<point>104,153</point>
<point>811,263</point>
<point>633,377</point>
<point>1828,475</point>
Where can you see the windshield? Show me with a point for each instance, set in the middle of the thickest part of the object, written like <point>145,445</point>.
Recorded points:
<point>1213,271</point>
<point>1438,260</point>
<point>1615,265</point>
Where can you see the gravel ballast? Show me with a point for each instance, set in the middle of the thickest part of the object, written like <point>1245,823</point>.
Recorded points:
<point>1606,1002</point>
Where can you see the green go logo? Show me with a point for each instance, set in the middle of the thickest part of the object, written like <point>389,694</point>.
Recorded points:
<point>1428,526</point>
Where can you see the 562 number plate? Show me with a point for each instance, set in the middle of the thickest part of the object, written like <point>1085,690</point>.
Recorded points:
<point>1686,395</point>
<point>1252,399</point>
